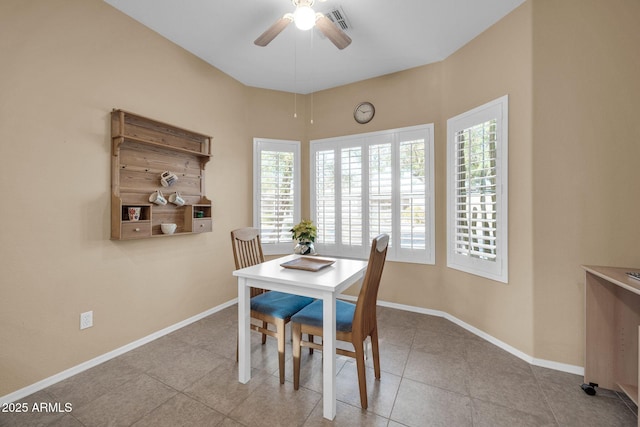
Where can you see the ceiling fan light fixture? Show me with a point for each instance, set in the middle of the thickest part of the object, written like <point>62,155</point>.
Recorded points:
<point>304,17</point>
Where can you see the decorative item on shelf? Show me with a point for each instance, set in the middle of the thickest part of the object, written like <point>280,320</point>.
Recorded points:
<point>168,178</point>
<point>168,228</point>
<point>199,214</point>
<point>305,233</point>
<point>134,213</point>
<point>157,198</point>
<point>176,199</point>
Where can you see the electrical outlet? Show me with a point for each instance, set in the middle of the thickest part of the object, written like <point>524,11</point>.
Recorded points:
<point>86,320</point>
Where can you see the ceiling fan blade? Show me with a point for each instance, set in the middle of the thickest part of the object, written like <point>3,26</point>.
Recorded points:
<point>333,33</point>
<point>271,33</point>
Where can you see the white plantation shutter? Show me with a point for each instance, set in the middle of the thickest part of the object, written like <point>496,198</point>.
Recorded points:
<point>379,182</point>
<point>351,196</point>
<point>277,196</point>
<point>477,196</point>
<point>325,191</point>
<point>414,193</point>
<point>381,191</point>
<point>276,192</point>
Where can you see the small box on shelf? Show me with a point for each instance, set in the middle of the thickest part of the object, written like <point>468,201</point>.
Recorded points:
<point>135,230</point>
<point>203,225</point>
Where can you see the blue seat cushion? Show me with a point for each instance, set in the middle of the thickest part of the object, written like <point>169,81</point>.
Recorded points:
<point>312,315</point>
<point>279,304</point>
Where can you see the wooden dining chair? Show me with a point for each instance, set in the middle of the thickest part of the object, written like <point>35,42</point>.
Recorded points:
<point>354,322</point>
<point>267,307</point>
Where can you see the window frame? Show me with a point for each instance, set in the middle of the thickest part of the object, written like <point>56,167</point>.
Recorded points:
<point>278,145</point>
<point>365,140</point>
<point>497,270</point>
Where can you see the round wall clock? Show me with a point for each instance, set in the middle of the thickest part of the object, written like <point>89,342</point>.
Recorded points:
<point>364,112</point>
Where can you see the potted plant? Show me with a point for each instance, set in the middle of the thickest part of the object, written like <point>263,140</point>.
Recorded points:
<point>305,234</point>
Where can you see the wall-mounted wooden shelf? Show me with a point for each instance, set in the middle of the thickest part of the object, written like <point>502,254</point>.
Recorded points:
<point>142,149</point>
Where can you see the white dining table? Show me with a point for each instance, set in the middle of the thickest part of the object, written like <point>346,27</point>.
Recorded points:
<point>324,284</point>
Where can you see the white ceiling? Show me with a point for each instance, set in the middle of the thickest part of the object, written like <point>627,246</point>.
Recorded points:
<point>388,36</point>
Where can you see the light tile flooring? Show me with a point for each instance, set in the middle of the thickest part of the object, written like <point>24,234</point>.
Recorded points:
<point>434,374</point>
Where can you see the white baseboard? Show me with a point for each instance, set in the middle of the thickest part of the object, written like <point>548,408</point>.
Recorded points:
<point>557,366</point>
<point>40,385</point>
<point>572,369</point>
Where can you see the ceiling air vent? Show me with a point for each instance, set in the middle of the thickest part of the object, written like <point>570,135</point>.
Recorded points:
<point>338,17</point>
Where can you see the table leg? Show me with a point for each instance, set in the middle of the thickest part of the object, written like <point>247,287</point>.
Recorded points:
<point>244,331</point>
<point>329,356</point>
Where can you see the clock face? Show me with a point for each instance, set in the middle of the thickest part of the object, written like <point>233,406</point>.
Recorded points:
<point>364,112</point>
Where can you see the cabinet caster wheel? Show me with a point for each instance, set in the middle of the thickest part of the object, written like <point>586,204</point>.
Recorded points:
<point>590,388</point>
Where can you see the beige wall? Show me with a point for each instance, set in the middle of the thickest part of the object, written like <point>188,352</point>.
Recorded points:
<point>496,63</point>
<point>65,65</point>
<point>586,160</point>
<point>570,69</point>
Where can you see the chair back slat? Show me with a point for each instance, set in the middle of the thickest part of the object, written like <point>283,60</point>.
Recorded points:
<point>247,250</point>
<point>364,318</point>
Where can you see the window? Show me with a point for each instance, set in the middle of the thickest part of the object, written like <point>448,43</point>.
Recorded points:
<point>477,191</point>
<point>367,184</point>
<point>276,192</point>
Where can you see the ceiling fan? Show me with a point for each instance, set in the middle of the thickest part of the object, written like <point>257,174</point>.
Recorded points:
<point>305,18</point>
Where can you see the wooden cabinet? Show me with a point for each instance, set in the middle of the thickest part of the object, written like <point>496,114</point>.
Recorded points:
<point>612,301</point>
<point>142,150</point>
